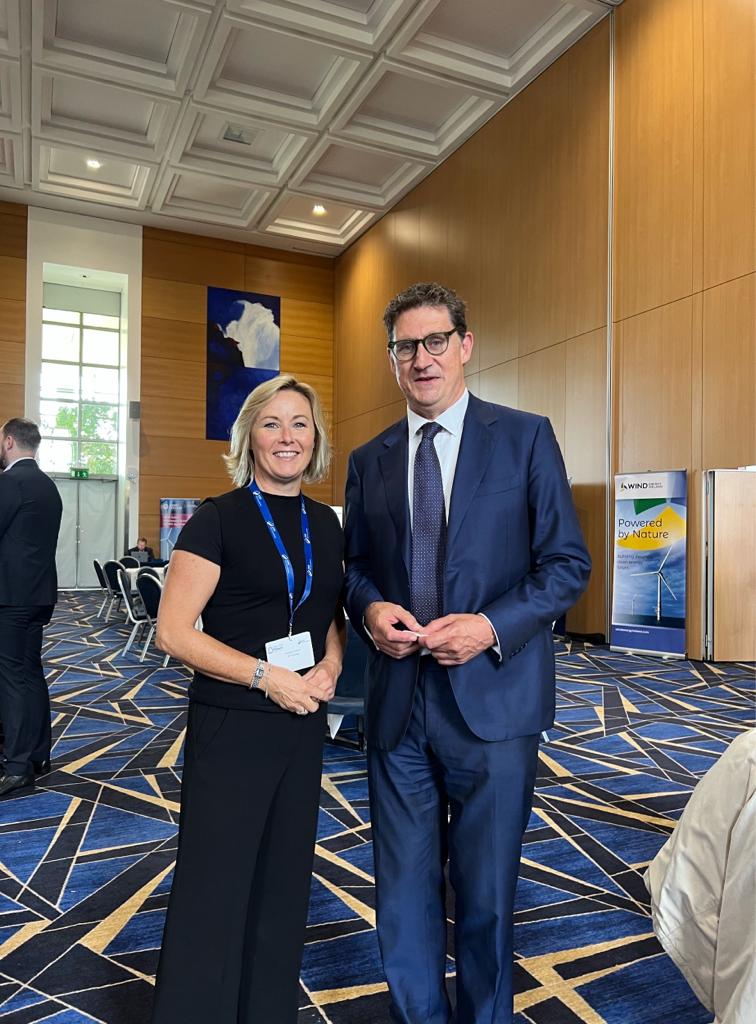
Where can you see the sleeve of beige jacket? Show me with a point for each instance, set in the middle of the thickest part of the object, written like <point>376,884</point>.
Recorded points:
<point>703,887</point>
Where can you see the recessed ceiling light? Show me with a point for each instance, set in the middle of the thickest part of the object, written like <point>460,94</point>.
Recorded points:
<point>235,133</point>
<point>319,210</point>
<point>94,165</point>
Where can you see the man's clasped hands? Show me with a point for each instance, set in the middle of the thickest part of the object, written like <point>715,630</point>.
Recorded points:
<point>452,640</point>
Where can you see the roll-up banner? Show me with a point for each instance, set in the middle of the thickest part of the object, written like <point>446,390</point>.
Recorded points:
<point>174,513</point>
<point>648,600</point>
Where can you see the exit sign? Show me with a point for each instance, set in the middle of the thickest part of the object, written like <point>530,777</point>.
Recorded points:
<point>79,473</point>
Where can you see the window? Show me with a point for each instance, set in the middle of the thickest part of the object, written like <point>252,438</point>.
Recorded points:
<point>79,391</point>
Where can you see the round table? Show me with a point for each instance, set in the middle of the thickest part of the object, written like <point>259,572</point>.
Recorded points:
<point>159,569</point>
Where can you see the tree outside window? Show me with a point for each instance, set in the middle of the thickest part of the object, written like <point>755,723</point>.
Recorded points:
<point>79,409</point>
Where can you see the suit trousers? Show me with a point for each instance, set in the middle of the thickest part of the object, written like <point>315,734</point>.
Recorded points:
<point>444,792</point>
<point>24,698</point>
<point>237,913</point>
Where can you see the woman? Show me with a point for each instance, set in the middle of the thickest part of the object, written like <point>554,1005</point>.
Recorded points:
<point>263,566</point>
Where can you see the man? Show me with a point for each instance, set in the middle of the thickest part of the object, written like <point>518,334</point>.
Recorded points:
<point>141,551</point>
<point>462,548</point>
<point>30,511</point>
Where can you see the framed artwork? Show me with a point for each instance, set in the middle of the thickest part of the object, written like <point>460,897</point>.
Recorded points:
<point>243,350</point>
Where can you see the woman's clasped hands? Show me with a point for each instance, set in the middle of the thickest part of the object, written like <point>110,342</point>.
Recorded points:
<point>302,694</point>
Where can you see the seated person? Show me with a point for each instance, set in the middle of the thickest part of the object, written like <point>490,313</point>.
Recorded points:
<point>703,887</point>
<point>142,552</point>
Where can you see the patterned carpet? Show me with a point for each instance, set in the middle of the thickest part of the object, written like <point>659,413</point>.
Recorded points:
<point>86,861</point>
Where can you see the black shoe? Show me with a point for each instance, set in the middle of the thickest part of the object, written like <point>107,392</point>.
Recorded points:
<point>16,785</point>
<point>41,767</point>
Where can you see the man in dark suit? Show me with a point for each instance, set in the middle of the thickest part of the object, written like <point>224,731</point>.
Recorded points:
<point>462,548</point>
<point>30,511</point>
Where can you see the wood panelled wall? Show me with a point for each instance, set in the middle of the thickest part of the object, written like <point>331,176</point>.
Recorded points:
<point>684,258</point>
<point>175,458</point>
<point>12,309</point>
<point>516,221</point>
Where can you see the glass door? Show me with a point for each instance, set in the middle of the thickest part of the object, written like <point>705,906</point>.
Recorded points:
<point>97,527</point>
<point>66,554</point>
<point>87,529</point>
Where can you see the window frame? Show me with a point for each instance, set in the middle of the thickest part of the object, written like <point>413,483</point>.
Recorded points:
<point>79,402</point>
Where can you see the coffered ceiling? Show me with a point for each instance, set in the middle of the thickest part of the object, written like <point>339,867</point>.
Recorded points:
<point>236,117</point>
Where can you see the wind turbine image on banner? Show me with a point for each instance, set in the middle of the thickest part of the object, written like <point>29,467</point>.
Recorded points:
<point>659,580</point>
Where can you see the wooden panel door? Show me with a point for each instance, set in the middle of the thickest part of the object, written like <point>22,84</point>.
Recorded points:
<point>734,582</point>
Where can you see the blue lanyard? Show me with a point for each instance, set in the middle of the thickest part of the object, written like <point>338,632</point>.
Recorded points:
<point>268,518</point>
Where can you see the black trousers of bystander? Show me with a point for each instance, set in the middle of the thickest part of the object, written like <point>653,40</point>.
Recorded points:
<point>24,699</point>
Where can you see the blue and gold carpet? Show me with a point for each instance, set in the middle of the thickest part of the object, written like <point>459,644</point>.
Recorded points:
<point>86,860</point>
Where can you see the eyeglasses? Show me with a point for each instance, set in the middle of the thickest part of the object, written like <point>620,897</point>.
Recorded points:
<point>434,344</point>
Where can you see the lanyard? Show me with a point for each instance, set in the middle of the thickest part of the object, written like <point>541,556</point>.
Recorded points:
<point>268,518</point>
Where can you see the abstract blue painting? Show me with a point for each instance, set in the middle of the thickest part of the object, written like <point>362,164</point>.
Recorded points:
<point>243,350</point>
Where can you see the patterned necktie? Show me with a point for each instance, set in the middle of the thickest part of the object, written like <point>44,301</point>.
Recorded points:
<point>428,531</point>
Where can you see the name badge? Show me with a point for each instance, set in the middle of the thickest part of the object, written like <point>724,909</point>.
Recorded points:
<point>292,652</point>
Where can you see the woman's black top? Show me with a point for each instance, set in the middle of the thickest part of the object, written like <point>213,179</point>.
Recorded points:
<point>250,604</point>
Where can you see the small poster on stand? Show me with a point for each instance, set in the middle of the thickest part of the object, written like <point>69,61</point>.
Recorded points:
<point>174,513</point>
<point>650,563</point>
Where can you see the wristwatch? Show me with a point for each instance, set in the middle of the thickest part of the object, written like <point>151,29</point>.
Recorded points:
<point>257,678</point>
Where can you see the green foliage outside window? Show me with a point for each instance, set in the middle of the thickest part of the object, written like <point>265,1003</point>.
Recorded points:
<point>100,458</point>
<point>98,422</point>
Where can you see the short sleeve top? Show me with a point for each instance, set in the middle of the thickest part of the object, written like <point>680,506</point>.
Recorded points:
<point>250,604</point>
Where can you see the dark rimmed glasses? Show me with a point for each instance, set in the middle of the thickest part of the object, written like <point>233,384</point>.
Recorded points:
<point>435,344</point>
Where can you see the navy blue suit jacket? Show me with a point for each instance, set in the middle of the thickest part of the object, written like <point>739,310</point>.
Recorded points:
<point>515,552</point>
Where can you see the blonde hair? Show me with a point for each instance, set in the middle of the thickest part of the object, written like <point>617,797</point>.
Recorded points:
<point>240,461</point>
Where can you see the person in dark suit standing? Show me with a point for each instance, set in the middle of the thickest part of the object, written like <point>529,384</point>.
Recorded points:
<point>462,548</point>
<point>30,512</point>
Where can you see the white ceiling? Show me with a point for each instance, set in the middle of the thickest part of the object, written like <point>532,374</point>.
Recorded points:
<point>233,117</point>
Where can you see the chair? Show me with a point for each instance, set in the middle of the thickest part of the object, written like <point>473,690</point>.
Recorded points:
<point>110,571</point>
<point>102,580</point>
<point>150,590</point>
<point>136,616</point>
<point>129,562</point>
<point>149,571</point>
<point>349,698</point>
